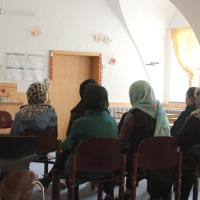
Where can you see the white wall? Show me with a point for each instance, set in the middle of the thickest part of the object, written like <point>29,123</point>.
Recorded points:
<point>70,24</point>
<point>148,22</point>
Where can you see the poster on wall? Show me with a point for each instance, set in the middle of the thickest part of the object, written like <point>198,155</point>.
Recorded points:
<point>35,68</point>
<point>15,64</point>
<point>25,67</point>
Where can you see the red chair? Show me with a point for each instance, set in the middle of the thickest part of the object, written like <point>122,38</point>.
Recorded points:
<point>157,153</point>
<point>194,157</point>
<point>94,156</point>
<point>47,142</point>
<point>5,120</point>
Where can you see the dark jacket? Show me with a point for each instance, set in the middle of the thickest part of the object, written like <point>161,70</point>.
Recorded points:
<point>189,136</point>
<point>76,112</point>
<point>179,123</point>
<point>134,127</point>
<point>138,127</point>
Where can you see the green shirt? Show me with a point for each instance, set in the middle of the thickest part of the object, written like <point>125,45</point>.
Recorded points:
<point>92,125</point>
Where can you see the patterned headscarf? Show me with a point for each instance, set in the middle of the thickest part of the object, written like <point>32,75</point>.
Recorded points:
<point>142,97</point>
<point>196,112</point>
<point>36,95</point>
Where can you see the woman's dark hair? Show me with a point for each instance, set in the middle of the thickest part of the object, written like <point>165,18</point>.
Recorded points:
<point>95,97</point>
<point>190,92</point>
<point>84,84</point>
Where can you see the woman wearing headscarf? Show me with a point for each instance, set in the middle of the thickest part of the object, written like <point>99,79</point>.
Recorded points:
<point>95,123</point>
<point>36,115</point>
<point>79,110</point>
<point>189,140</point>
<point>145,119</point>
<point>190,107</point>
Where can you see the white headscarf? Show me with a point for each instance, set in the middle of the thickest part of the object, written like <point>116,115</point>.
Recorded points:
<point>142,97</point>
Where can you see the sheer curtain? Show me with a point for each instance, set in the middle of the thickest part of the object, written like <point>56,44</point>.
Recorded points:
<point>187,49</point>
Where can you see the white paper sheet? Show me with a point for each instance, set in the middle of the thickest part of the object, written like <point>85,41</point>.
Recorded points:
<point>35,62</point>
<point>25,67</point>
<point>15,60</point>
<point>14,74</point>
<point>35,75</point>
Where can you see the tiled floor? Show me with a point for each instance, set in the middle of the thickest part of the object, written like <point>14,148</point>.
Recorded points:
<point>85,190</point>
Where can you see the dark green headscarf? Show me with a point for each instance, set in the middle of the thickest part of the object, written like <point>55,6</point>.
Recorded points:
<point>96,98</point>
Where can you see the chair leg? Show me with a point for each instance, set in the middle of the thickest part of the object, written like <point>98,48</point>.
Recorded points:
<point>100,192</point>
<point>133,188</point>
<point>121,188</point>
<point>171,191</point>
<point>178,189</point>
<point>93,185</point>
<point>55,187</point>
<point>46,170</point>
<point>76,192</point>
<point>195,190</point>
<point>196,184</point>
<point>71,190</point>
<point>111,193</point>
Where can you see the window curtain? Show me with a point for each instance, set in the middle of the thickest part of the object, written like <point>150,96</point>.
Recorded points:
<point>187,49</point>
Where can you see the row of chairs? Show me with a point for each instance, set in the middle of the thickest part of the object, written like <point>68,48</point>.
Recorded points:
<point>153,153</point>
<point>164,151</point>
<point>107,159</point>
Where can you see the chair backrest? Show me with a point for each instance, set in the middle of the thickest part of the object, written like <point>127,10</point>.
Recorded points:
<point>5,119</point>
<point>158,153</point>
<point>17,185</point>
<point>99,155</point>
<point>15,147</point>
<point>46,139</point>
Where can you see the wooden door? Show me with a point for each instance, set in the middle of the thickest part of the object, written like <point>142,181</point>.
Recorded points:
<point>69,70</point>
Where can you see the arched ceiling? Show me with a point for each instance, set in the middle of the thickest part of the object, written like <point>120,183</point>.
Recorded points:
<point>190,10</point>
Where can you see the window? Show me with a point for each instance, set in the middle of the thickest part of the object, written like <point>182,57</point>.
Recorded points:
<point>184,63</point>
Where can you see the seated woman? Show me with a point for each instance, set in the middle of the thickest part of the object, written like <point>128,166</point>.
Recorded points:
<point>36,115</point>
<point>188,137</point>
<point>190,106</point>
<point>145,119</point>
<point>79,110</point>
<point>96,123</point>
